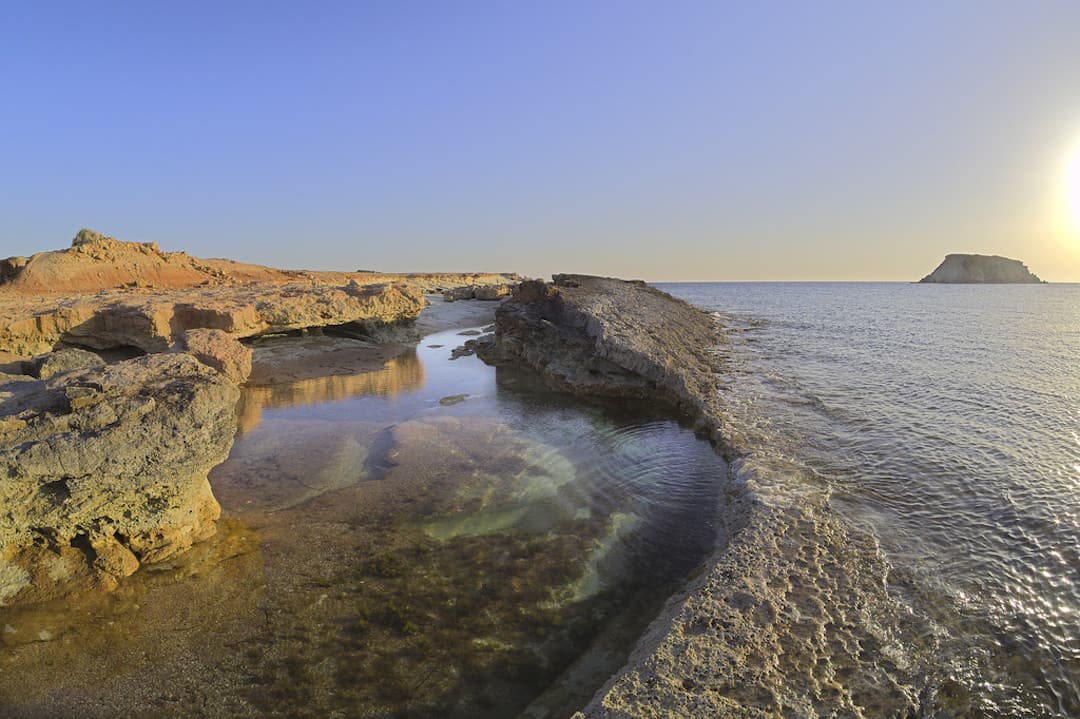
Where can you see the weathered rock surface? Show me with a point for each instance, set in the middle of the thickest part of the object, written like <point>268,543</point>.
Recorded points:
<point>490,293</point>
<point>46,365</point>
<point>103,293</point>
<point>95,262</point>
<point>609,337</point>
<point>791,615</point>
<point>989,269</point>
<point>217,349</point>
<point>487,292</point>
<point>104,469</point>
<point>153,322</point>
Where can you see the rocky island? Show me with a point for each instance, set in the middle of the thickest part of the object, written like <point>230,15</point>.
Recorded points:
<point>980,269</point>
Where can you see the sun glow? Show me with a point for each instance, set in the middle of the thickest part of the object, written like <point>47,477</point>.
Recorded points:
<point>1072,190</point>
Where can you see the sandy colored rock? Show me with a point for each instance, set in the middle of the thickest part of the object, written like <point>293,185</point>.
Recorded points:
<point>154,322</point>
<point>492,292</point>
<point>103,293</point>
<point>96,262</point>
<point>103,466</point>
<point>46,365</point>
<point>454,294</point>
<point>217,349</point>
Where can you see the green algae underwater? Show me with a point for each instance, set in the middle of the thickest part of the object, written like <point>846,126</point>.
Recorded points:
<point>387,554</point>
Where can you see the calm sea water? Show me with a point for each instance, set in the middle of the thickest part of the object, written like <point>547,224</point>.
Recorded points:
<point>946,421</point>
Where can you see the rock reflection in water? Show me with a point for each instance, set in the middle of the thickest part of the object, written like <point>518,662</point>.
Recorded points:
<point>413,559</point>
<point>403,373</point>
<point>162,644</point>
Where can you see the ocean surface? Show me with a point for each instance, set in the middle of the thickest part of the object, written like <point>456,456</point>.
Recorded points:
<point>945,421</point>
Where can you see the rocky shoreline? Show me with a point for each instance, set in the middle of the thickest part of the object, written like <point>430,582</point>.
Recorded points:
<point>105,465</point>
<point>791,616</point>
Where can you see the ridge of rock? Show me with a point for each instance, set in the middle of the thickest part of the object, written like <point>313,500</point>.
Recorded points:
<point>102,293</point>
<point>95,262</point>
<point>154,321</point>
<point>776,621</point>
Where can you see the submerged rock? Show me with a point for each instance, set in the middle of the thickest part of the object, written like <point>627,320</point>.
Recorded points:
<point>981,269</point>
<point>104,469</point>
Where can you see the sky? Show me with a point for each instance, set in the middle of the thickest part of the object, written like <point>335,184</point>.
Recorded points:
<point>682,140</point>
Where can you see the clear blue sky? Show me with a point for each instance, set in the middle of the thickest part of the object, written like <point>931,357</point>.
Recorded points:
<point>664,140</point>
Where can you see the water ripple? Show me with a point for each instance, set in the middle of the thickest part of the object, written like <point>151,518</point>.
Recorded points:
<point>947,420</point>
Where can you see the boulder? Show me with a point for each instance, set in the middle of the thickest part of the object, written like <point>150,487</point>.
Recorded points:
<point>491,292</point>
<point>46,365</point>
<point>611,337</point>
<point>465,292</point>
<point>87,236</point>
<point>217,349</point>
<point>10,268</point>
<point>104,469</point>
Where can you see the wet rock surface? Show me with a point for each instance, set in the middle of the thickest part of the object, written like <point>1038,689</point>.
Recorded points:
<point>104,469</point>
<point>792,615</point>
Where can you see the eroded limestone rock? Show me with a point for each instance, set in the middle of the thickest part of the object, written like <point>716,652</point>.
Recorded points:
<point>104,469</point>
<point>217,349</point>
<point>154,322</point>
<point>46,365</point>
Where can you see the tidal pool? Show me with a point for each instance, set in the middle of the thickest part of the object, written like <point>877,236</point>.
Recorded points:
<point>436,538</point>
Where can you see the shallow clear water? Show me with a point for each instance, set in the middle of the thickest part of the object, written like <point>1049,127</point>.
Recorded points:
<point>946,421</point>
<point>434,538</point>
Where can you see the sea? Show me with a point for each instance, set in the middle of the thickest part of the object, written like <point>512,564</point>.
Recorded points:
<point>945,421</point>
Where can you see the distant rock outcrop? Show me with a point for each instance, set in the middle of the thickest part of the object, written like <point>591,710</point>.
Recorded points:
<point>981,269</point>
